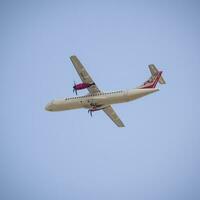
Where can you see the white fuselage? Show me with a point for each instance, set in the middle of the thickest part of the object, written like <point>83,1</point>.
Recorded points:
<point>100,100</point>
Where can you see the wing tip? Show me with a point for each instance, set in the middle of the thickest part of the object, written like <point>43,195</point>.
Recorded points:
<point>121,125</point>
<point>72,56</point>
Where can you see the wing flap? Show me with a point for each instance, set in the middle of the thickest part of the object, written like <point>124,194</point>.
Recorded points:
<point>113,116</point>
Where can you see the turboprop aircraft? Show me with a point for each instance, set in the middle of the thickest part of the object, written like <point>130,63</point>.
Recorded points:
<point>97,100</point>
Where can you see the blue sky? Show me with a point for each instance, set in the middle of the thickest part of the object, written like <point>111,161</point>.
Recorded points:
<point>69,155</point>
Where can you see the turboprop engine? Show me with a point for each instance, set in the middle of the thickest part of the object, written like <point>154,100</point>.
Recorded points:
<point>96,108</point>
<point>81,86</point>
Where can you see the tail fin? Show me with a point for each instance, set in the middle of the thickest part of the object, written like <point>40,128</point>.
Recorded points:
<point>156,76</point>
<point>154,71</point>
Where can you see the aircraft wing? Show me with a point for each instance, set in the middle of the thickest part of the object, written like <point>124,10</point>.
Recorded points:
<point>113,116</point>
<point>85,77</point>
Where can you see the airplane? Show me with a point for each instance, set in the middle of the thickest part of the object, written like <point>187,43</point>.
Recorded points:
<point>97,100</point>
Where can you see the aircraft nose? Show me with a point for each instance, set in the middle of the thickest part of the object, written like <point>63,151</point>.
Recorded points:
<point>48,107</point>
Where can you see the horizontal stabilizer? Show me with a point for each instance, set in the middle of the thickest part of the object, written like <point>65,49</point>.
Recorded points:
<point>154,71</point>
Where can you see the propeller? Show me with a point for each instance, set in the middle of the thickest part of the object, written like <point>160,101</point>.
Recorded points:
<point>74,88</point>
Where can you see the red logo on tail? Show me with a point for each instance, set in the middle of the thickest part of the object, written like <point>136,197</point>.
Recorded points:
<point>152,82</point>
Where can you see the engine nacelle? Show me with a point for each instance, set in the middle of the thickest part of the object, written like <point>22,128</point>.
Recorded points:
<point>81,86</point>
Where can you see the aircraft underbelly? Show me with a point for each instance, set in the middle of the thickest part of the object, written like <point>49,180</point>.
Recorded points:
<point>138,93</point>
<point>112,99</point>
<point>126,96</point>
<point>75,103</point>
<point>65,105</point>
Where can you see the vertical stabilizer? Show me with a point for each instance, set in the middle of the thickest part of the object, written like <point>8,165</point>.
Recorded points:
<point>156,76</point>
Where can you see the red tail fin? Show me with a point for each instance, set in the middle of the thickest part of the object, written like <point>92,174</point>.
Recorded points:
<point>152,82</point>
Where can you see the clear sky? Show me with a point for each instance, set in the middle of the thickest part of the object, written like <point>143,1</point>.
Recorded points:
<point>69,155</point>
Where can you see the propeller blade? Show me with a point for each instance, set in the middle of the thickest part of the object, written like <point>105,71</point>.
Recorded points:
<point>74,89</point>
<point>90,112</point>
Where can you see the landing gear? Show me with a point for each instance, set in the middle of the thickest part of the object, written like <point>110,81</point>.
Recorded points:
<point>90,112</point>
<point>95,107</point>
